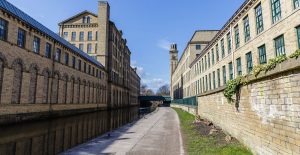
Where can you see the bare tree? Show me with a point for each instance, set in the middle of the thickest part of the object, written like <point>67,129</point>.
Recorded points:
<point>149,92</point>
<point>143,89</point>
<point>163,90</point>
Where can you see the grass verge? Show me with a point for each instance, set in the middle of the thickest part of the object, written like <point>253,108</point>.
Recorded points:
<point>197,143</point>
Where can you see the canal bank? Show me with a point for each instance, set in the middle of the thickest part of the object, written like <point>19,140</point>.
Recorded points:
<point>55,135</point>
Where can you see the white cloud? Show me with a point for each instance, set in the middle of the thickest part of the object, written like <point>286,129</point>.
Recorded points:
<point>164,44</point>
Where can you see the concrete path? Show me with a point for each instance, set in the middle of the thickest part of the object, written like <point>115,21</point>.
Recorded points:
<point>155,134</point>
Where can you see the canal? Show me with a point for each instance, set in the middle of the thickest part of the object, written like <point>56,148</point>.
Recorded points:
<point>53,136</point>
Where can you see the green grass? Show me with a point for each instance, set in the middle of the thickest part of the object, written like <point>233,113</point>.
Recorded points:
<point>197,144</point>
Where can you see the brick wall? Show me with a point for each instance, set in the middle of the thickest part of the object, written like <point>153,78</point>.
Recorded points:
<point>268,118</point>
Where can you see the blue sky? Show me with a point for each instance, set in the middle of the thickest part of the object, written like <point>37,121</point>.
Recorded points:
<point>148,25</point>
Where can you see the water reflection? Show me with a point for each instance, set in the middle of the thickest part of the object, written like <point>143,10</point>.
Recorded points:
<point>57,135</point>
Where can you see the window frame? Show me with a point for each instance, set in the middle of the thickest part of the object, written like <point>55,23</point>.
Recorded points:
<point>262,54</point>
<point>224,75</point>
<point>73,36</point>
<point>229,48</point>
<point>247,33</point>
<point>90,36</point>
<point>278,47</point>
<point>259,19</point>
<point>223,48</point>
<point>57,55</point>
<point>249,62</point>
<point>219,78</point>
<point>239,69</point>
<point>198,47</point>
<point>296,4</point>
<point>237,36</point>
<point>214,79</point>
<point>89,48</point>
<point>21,40</point>
<point>298,35</point>
<point>81,36</point>
<point>276,15</point>
<point>67,58</point>
<point>4,31</point>
<point>48,50</point>
<point>36,44</point>
<point>230,68</point>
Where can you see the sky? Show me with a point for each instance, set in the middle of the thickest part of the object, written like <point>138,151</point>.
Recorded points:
<point>149,26</point>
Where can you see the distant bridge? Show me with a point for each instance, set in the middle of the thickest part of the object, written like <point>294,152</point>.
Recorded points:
<point>165,99</point>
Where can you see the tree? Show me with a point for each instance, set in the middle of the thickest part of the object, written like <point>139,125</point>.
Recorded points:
<point>143,89</point>
<point>149,92</point>
<point>163,90</point>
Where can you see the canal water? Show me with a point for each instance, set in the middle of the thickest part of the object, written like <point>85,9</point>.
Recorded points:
<point>53,136</point>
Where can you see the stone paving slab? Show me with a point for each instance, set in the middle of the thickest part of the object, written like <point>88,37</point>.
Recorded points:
<point>156,134</point>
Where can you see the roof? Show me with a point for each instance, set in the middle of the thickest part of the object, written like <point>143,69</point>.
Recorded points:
<point>8,7</point>
<point>77,15</point>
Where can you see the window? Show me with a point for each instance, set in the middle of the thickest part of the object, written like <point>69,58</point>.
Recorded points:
<point>246,29</point>
<point>73,36</point>
<point>209,81</point>
<point>67,59</point>
<point>96,35</point>
<point>262,54</point>
<point>66,35</point>
<point>239,66</point>
<point>279,45</point>
<point>57,55</point>
<point>198,47</point>
<point>90,36</point>
<point>230,71</point>
<point>79,64</point>
<point>224,75</point>
<point>213,56</point>
<point>217,52</point>
<point>48,51</point>
<point>237,36</point>
<point>214,79</point>
<point>21,38</point>
<point>206,89</point>
<point>296,4</point>
<point>276,10</point>
<point>208,57</point>
<point>222,48</point>
<point>89,48</point>
<point>89,69</point>
<point>298,36</point>
<point>81,46</point>
<point>73,61</point>
<point>36,44</point>
<point>249,62</point>
<point>219,81</point>
<point>81,36</point>
<point>88,20</point>
<point>84,67</point>
<point>96,47</point>
<point>229,42</point>
<point>205,62</point>
<point>3,29</point>
<point>259,19</point>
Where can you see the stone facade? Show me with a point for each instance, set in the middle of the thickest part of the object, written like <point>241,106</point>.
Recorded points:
<point>109,48</point>
<point>266,119</point>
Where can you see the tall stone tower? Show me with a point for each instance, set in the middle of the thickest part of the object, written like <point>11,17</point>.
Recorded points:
<point>103,32</point>
<point>173,64</point>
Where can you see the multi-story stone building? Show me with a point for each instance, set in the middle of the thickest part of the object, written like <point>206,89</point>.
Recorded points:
<point>42,73</point>
<point>100,38</point>
<point>266,113</point>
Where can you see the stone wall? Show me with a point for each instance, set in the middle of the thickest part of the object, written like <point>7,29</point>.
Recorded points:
<point>268,117</point>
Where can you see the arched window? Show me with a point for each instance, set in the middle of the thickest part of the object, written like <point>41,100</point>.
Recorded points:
<point>46,74</point>
<point>83,19</point>
<point>65,89</point>
<point>17,81</point>
<point>72,91</point>
<point>33,83</point>
<point>55,87</point>
<point>88,20</point>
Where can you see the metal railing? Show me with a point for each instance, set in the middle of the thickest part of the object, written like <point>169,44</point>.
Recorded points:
<point>191,101</point>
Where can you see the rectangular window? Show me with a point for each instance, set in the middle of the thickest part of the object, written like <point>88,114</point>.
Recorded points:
<point>214,79</point>
<point>209,81</point>
<point>205,62</point>
<point>259,19</point>
<point>279,45</point>
<point>219,81</point>
<point>249,62</point>
<point>202,65</point>
<point>81,36</point>
<point>67,59</point>
<point>84,67</point>
<point>79,64</point>
<point>262,54</point>
<point>21,38</point>
<point>208,57</point>
<point>96,47</point>
<point>57,55</point>
<point>230,71</point>
<point>96,35</point>
<point>89,69</point>
<point>48,50</point>
<point>206,81</point>
<point>239,66</point>
<point>90,36</point>
<point>276,10</point>
<point>222,48</point>
<point>229,42</point>
<point>246,28</point>
<point>3,29</point>
<point>298,36</point>
<point>73,36</point>
<point>237,37</point>
<point>66,35</point>
<point>224,75</point>
<point>81,46</point>
<point>217,52</point>
<point>36,44</point>
<point>212,56</point>
<point>73,61</point>
<point>89,48</point>
<point>296,4</point>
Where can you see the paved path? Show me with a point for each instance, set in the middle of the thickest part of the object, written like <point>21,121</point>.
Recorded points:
<point>155,134</point>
